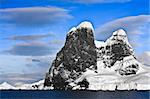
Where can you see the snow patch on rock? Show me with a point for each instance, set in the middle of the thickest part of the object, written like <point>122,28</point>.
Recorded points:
<point>120,32</point>
<point>72,29</point>
<point>86,24</point>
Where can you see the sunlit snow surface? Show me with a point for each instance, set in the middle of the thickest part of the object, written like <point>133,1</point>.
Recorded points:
<point>109,79</point>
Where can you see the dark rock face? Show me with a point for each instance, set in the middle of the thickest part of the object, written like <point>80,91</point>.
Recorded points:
<point>78,54</point>
<point>129,70</point>
<point>79,50</point>
<point>84,84</point>
<point>117,51</point>
<point>117,48</point>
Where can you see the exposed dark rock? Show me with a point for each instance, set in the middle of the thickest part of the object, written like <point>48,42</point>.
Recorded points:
<point>78,53</point>
<point>117,48</point>
<point>83,84</point>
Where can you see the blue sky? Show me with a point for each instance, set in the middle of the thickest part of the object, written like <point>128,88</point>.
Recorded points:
<point>33,31</point>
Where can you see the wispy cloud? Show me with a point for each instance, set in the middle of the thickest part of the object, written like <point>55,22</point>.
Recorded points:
<point>57,42</point>
<point>137,28</point>
<point>145,58</point>
<point>30,37</point>
<point>31,49</point>
<point>34,16</point>
<point>132,24</point>
<point>97,1</point>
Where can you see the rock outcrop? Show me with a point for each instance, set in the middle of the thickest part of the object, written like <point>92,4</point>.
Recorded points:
<point>78,53</point>
<point>117,50</point>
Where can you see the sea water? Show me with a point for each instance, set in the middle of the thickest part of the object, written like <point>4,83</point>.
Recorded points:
<point>55,94</point>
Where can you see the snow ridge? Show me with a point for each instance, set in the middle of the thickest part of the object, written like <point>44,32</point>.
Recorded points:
<point>85,24</point>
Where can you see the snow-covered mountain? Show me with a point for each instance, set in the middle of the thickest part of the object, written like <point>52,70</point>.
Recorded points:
<point>84,63</point>
<point>39,85</point>
<point>6,86</point>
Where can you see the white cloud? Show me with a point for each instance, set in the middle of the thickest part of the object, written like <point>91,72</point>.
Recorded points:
<point>31,49</point>
<point>132,24</point>
<point>30,37</point>
<point>34,16</point>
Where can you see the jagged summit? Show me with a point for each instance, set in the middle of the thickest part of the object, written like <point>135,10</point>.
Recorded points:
<point>120,32</point>
<point>83,25</point>
<point>86,24</point>
<point>119,35</point>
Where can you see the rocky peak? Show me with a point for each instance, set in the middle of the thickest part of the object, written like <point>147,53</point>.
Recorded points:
<point>78,54</point>
<point>116,50</point>
<point>86,24</point>
<point>120,32</point>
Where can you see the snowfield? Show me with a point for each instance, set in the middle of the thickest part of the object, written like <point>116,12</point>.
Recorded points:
<point>112,81</point>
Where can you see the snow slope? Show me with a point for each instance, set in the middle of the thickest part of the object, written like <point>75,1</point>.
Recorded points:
<point>6,86</point>
<point>110,80</point>
<point>37,85</point>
